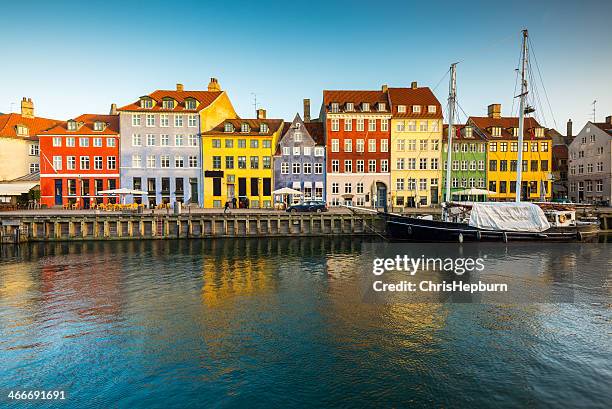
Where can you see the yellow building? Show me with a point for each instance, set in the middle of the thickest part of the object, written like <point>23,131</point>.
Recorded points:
<point>238,161</point>
<point>218,110</point>
<point>502,156</point>
<point>416,143</point>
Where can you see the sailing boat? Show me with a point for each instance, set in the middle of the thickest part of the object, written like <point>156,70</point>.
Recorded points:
<point>492,221</point>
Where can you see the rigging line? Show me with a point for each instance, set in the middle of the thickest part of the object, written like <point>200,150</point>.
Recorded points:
<point>487,47</point>
<point>536,101</point>
<point>516,80</point>
<point>542,81</point>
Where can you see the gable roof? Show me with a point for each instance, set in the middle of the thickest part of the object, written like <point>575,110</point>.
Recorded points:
<point>205,98</point>
<point>9,122</point>
<point>254,124</point>
<point>315,129</point>
<point>87,126</point>
<point>604,126</point>
<point>356,97</point>
<point>409,97</point>
<point>484,124</point>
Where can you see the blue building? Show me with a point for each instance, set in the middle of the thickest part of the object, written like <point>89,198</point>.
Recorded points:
<point>299,161</point>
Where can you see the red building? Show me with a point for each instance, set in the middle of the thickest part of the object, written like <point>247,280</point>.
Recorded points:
<point>79,158</point>
<point>357,135</point>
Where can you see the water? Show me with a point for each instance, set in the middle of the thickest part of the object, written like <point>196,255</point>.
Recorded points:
<point>277,323</point>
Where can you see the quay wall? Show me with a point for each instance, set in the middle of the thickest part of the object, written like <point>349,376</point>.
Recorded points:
<point>24,228</point>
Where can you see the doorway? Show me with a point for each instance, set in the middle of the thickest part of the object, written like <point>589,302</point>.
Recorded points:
<point>58,192</point>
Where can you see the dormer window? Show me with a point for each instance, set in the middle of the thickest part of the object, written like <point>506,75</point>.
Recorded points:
<point>98,126</point>
<point>539,132</point>
<point>22,130</point>
<point>431,109</point>
<point>229,127</point>
<point>416,109</point>
<point>365,107</point>
<point>515,132</point>
<point>190,104</point>
<point>350,107</point>
<point>335,107</point>
<point>146,103</point>
<point>495,131</point>
<point>382,107</point>
<point>468,131</point>
<point>401,109</point>
<point>168,104</point>
<point>264,128</point>
<point>244,128</point>
<point>72,125</point>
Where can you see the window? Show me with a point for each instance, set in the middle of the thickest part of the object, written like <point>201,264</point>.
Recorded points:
<point>284,168</point>
<point>71,143</point>
<point>400,163</point>
<point>241,143</point>
<point>22,130</point>
<point>492,165</point>
<point>254,143</point>
<point>372,145</point>
<point>150,140</point>
<point>228,127</point>
<point>335,188</point>
<point>422,184</point>
<point>599,166</point>
<point>110,142</point>
<point>348,165</point>
<point>401,109</point>
<point>57,163</point>
<point>296,151</point>
<point>400,126</point>
<point>496,131</point>
<point>263,128</point>
<point>193,140</point>
<point>416,109</point>
<point>365,106</point>
<point>318,168</point>
<point>245,128</point>
<point>34,167</point>
<point>431,109</point>
<point>150,120</point>
<point>348,187</point>
<point>493,147</point>
<point>454,183</point>
<point>411,184</point>
<point>599,186</point>
<point>84,165</point>
<point>412,126</point>
<point>384,125</point>
<point>192,121</point>
<point>178,140</point>
<point>435,164</point>
<point>164,120</point>
<point>503,165</point>
<point>423,144</point>
<point>242,162</point>
<point>335,146</point>
<point>71,162</point>
<point>254,162</point>
<point>151,161</point>
<point>423,163</point>
<point>589,168</point>
<point>34,150</point>
<point>136,161</point>
<point>179,162</point>
<point>296,168</point>
<point>544,166</point>
<point>435,145</point>
<point>371,125</point>
<point>164,140</point>
<point>136,140</point>
<point>307,150</point>
<point>360,165</point>
<point>544,147</point>
<point>411,145</point>
<point>481,165</point>
<point>216,162</point>
<point>348,145</point>
<point>534,166</point>
<point>307,168</point>
<point>503,146</point>
<point>335,107</point>
<point>57,141</point>
<point>97,162</point>
<point>382,106</point>
<point>335,168</point>
<point>164,161</point>
<point>399,184</point>
<point>229,162</point>
<point>135,120</point>
<point>319,151</point>
<point>348,124</point>
<point>384,145</point>
<point>455,165</point>
<point>216,143</point>
<point>335,124</point>
<point>178,120</point>
<point>286,150</point>
<point>423,126</point>
<point>360,124</point>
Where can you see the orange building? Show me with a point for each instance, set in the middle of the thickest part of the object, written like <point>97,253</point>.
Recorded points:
<point>78,159</point>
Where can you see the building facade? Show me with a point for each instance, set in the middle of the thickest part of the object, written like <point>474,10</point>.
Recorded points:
<point>299,161</point>
<point>357,139</point>
<point>416,144</point>
<point>80,158</point>
<point>161,150</point>
<point>501,134</point>
<point>238,161</point>
<point>19,146</point>
<point>590,164</point>
<point>468,163</point>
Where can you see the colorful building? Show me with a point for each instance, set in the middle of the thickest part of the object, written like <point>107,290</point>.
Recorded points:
<point>590,164</point>
<point>161,150</point>
<point>416,143</point>
<point>468,163</point>
<point>501,134</point>
<point>299,161</point>
<point>357,137</point>
<point>19,147</point>
<point>238,161</point>
<point>79,158</point>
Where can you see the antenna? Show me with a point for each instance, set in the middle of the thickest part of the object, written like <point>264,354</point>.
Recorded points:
<point>254,100</point>
<point>594,102</point>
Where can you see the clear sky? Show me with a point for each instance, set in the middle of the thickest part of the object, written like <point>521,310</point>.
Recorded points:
<point>77,57</point>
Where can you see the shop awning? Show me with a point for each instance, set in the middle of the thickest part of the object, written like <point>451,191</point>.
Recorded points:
<point>308,185</point>
<point>319,184</point>
<point>16,189</point>
<point>296,185</point>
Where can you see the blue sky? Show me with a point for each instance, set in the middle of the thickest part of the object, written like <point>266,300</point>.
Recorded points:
<point>76,57</point>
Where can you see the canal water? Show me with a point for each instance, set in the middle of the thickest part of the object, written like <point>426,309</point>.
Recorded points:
<point>279,323</point>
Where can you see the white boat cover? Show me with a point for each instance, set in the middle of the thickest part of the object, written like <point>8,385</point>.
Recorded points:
<point>526,217</point>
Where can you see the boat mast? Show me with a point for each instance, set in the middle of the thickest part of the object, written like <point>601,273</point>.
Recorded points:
<point>523,97</point>
<point>452,96</point>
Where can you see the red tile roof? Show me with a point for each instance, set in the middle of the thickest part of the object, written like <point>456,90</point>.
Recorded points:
<point>86,127</point>
<point>356,97</point>
<point>254,124</point>
<point>604,126</point>
<point>9,122</point>
<point>315,129</point>
<point>459,134</point>
<point>410,97</point>
<point>205,98</point>
<point>506,124</point>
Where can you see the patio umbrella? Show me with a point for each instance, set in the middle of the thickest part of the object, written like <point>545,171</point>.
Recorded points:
<point>287,191</point>
<point>474,191</point>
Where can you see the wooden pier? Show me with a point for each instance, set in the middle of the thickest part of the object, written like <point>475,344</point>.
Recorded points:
<point>112,226</point>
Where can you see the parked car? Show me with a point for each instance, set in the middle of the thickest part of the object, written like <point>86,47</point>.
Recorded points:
<point>309,206</point>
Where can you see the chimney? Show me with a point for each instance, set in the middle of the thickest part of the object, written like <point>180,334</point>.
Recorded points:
<point>213,85</point>
<point>569,129</point>
<point>113,110</point>
<point>27,108</point>
<point>180,87</point>
<point>306,109</point>
<point>261,113</point>
<point>384,88</point>
<point>494,111</point>
<point>413,85</point>
<point>609,119</point>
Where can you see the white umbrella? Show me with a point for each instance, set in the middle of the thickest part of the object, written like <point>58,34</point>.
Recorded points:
<point>287,191</point>
<point>123,192</point>
<point>474,191</point>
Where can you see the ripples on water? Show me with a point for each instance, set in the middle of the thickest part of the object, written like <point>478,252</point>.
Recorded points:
<point>277,323</point>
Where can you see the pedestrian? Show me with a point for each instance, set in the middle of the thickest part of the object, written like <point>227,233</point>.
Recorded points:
<point>234,202</point>
<point>227,207</point>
